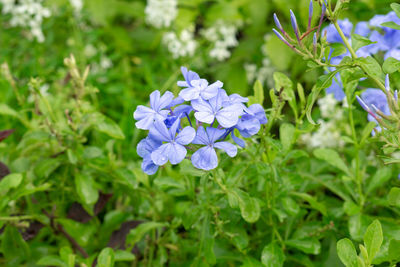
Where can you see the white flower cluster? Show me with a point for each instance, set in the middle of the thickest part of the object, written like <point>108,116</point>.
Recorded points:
<point>77,5</point>
<point>182,45</point>
<point>223,36</point>
<point>161,13</point>
<point>328,133</point>
<point>27,13</point>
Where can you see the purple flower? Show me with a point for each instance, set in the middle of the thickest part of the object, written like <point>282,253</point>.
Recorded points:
<point>173,150</point>
<point>200,88</point>
<point>189,77</point>
<point>144,149</point>
<point>206,158</point>
<point>336,88</point>
<point>332,36</point>
<point>208,111</point>
<point>146,116</point>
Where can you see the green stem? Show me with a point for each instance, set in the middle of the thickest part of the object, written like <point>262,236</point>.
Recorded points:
<point>17,218</point>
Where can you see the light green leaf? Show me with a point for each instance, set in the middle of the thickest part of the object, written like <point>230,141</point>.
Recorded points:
<point>272,255</point>
<point>358,41</point>
<point>286,134</point>
<point>312,201</point>
<point>258,97</point>
<point>249,207</point>
<point>391,24</point>
<point>106,258</point>
<point>394,250</point>
<point>136,234</point>
<point>10,181</point>
<point>396,8</point>
<point>381,176</point>
<point>123,255</point>
<point>347,253</point>
<point>331,157</point>
<point>394,196</point>
<point>51,260</point>
<point>308,245</point>
<point>373,239</point>
<point>391,65</point>
<point>85,187</point>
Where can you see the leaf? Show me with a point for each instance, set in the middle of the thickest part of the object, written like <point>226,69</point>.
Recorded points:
<point>6,133</point>
<point>371,67</point>
<point>284,84</point>
<point>286,134</point>
<point>347,253</point>
<point>332,158</point>
<point>373,239</point>
<point>249,207</point>
<point>338,49</point>
<point>110,128</point>
<point>323,82</point>
<point>136,234</point>
<point>290,206</point>
<point>358,41</point>
<point>85,187</point>
<point>13,246</point>
<point>123,255</point>
<point>396,8</point>
<point>381,176</point>
<point>391,65</point>
<point>391,24</point>
<point>394,196</point>
<point>308,246</point>
<point>272,255</point>
<point>51,260</point>
<point>258,97</point>
<point>367,131</point>
<point>10,181</point>
<point>312,201</point>
<point>106,258</point>
<point>46,166</point>
<point>394,250</point>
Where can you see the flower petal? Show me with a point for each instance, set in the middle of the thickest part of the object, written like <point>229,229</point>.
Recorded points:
<point>229,148</point>
<point>161,154</point>
<point>237,140</point>
<point>214,134</point>
<point>205,117</point>
<point>229,116</point>
<point>165,100</point>
<point>186,136</point>
<point>201,105</point>
<point>160,132</point>
<point>154,99</point>
<point>201,137</point>
<point>176,153</point>
<point>145,123</point>
<point>148,166</point>
<point>205,158</point>
<point>189,94</point>
<point>142,112</point>
<point>211,90</point>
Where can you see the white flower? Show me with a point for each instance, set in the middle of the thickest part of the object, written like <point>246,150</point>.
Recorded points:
<point>28,14</point>
<point>90,51</point>
<point>43,91</point>
<point>161,13</point>
<point>181,46</point>
<point>105,62</point>
<point>76,5</point>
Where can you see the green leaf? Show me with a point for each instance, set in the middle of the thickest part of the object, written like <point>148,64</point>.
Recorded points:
<point>347,253</point>
<point>358,41</point>
<point>381,176</point>
<point>331,157</point>
<point>135,235</point>
<point>396,8</point>
<point>373,239</point>
<point>123,255</point>
<point>371,67</point>
<point>391,65</point>
<point>272,255</point>
<point>391,24</point>
<point>249,207</point>
<point>323,82</point>
<point>106,125</point>
<point>46,166</point>
<point>106,258</point>
<point>286,134</point>
<point>338,49</point>
<point>312,201</point>
<point>10,181</point>
<point>367,131</point>
<point>13,246</point>
<point>284,84</point>
<point>308,245</point>
<point>85,187</point>
<point>51,260</point>
<point>258,97</point>
<point>290,206</point>
<point>394,196</point>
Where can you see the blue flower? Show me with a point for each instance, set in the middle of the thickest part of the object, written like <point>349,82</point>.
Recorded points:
<point>189,77</point>
<point>173,150</point>
<point>200,88</point>
<point>146,116</point>
<point>206,158</point>
<point>336,88</point>
<point>332,35</point>
<point>208,111</point>
<point>144,149</point>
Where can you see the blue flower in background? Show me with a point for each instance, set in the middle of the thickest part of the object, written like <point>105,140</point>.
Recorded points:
<point>173,150</point>
<point>208,111</point>
<point>144,149</point>
<point>206,158</point>
<point>146,116</point>
<point>375,98</point>
<point>332,36</point>
<point>387,39</point>
<point>336,88</point>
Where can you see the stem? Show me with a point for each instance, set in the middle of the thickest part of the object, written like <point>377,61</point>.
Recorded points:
<point>17,218</point>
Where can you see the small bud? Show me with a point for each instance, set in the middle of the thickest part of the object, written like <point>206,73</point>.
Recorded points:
<point>281,37</point>
<point>310,13</point>
<point>315,42</point>
<point>362,104</point>
<point>295,26</point>
<point>387,83</point>
<point>277,23</point>
<point>396,96</point>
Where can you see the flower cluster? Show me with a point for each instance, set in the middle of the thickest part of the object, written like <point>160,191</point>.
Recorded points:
<point>210,116</point>
<point>223,37</point>
<point>182,45</point>
<point>27,13</point>
<point>161,13</point>
<point>386,40</point>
